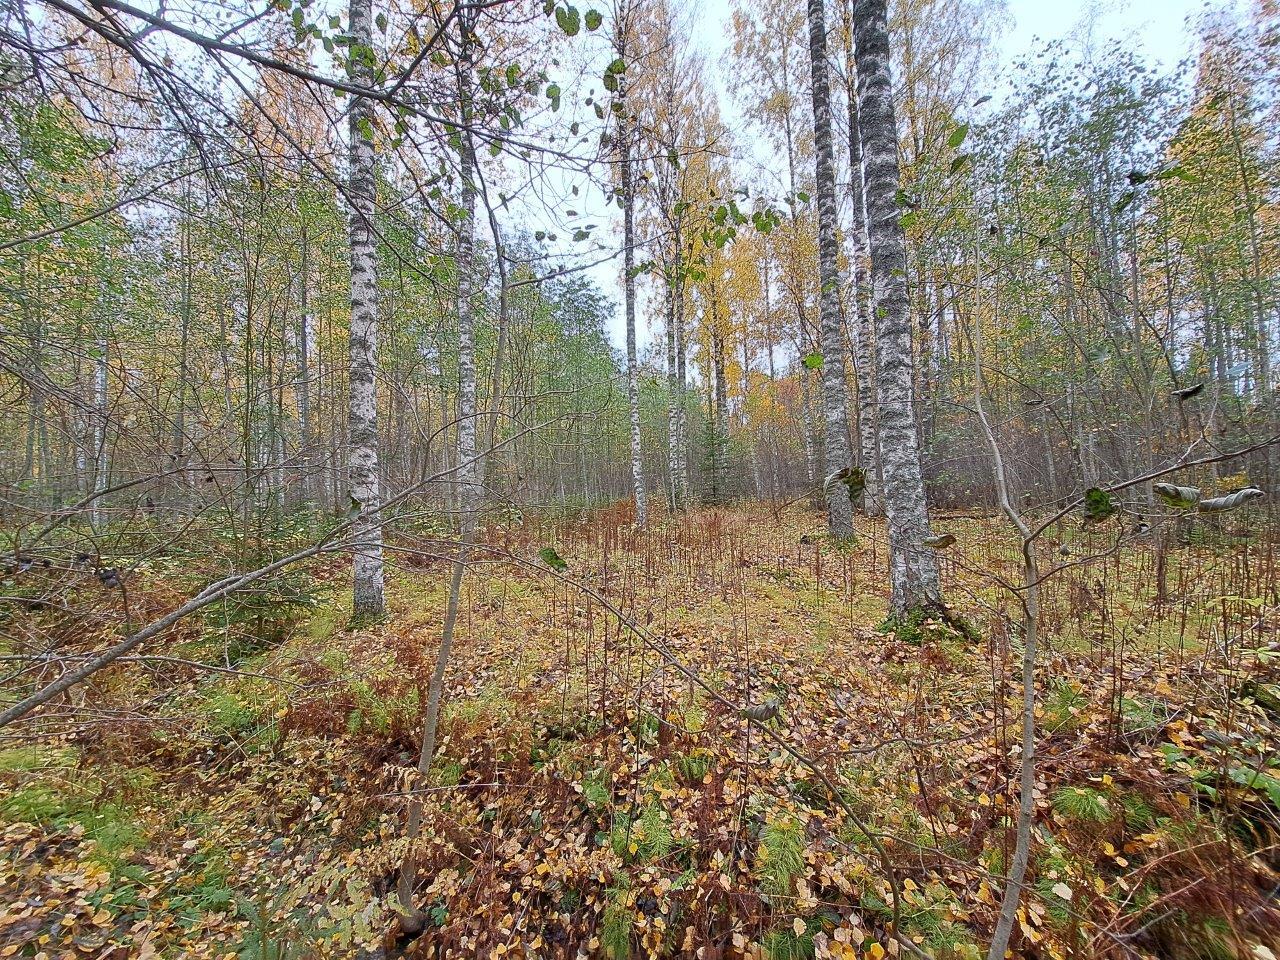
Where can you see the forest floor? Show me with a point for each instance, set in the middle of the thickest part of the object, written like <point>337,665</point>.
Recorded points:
<point>590,799</point>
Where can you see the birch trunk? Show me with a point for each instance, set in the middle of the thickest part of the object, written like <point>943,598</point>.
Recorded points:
<point>184,347</point>
<point>864,359</point>
<point>681,402</point>
<point>834,396</point>
<point>626,131</point>
<point>101,468</point>
<point>367,584</point>
<point>676,497</point>
<point>719,421</point>
<point>302,385</point>
<point>467,478</point>
<point>913,565</point>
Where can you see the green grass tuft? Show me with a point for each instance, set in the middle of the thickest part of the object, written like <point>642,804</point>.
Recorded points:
<point>781,856</point>
<point>1082,804</point>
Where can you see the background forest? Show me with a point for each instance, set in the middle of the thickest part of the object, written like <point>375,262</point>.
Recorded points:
<point>488,478</point>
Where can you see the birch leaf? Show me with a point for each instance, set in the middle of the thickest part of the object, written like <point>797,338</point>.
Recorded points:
<point>568,20</point>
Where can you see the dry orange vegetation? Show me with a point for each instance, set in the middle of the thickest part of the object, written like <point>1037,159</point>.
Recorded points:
<point>591,799</point>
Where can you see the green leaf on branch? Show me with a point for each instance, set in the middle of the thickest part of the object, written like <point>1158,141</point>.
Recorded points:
<point>593,19</point>
<point>568,20</point>
<point>812,361</point>
<point>958,135</point>
<point>1098,505</point>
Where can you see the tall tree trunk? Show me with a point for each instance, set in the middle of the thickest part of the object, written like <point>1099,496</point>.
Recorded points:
<point>676,495</point>
<point>626,136</point>
<point>719,419</point>
<point>469,473</point>
<point>184,347</point>
<point>864,359</point>
<point>101,463</point>
<point>913,565</point>
<point>834,396</point>
<point>682,411</point>
<point>303,384</point>
<point>367,585</point>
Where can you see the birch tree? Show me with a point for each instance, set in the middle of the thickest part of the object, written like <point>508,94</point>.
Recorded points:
<point>362,450</point>
<point>913,566</point>
<point>625,136</point>
<point>863,340</point>
<point>830,335</point>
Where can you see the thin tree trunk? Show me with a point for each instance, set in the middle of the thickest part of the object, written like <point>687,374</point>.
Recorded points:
<point>468,475</point>
<point>1029,599</point>
<point>682,412</point>
<point>626,131</point>
<point>303,385</point>
<point>834,395</point>
<point>913,565</point>
<point>184,347</point>
<point>101,467</point>
<point>367,582</point>
<point>676,495</point>
<point>719,419</point>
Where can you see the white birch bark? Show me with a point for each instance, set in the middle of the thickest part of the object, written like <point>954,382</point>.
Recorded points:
<point>913,565</point>
<point>468,475</point>
<point>834,396</point>
<point>367,583</point>
<point>100,467</point>
<point>626,137</point>
<point>859,252</point>
<point>676,496</point>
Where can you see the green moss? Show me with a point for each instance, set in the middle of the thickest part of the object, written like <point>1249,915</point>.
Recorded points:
<point>922,623</point>
<point>596,790</point>
<point>37,803</point>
